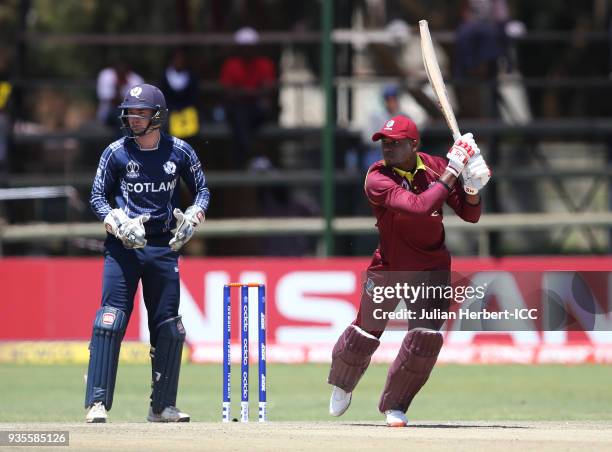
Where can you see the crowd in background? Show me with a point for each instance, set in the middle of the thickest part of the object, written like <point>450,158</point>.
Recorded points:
<point>237,85</point>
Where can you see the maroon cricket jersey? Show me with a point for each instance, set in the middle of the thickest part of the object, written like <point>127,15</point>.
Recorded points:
<point>409,215</point>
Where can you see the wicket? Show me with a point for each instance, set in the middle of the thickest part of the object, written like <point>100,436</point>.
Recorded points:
<point>244,350</point>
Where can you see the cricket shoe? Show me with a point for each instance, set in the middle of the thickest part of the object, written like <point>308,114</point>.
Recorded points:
<point>396,418</point>
<point>170,414</point>
<point>339,401</point>
<point>96,414</point>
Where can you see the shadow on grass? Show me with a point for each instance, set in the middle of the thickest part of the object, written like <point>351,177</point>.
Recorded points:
<point>466,426</point>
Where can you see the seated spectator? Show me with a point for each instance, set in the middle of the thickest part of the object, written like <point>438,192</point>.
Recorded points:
<point>113,83</point>
<point>249,80</point>
<point>180,86</point>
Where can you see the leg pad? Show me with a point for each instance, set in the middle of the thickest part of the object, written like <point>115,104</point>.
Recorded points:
<point>108,330</point>
<point>166,363</point>
<point>351,357</point>
<point>410,370</point>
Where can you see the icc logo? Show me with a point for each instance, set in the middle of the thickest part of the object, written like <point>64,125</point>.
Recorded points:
<point>389,125</point>
<point>132,169</point>
<point>170,168</point>
<point>135,92</point>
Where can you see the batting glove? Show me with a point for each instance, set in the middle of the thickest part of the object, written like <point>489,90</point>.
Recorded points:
<point>186,224</point>
<point>476,175</point>
<point>130,231</point>
<point>458,155</point>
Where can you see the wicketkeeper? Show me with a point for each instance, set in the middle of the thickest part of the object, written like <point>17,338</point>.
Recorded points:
<point>136,194</point>
<point>407,190</point>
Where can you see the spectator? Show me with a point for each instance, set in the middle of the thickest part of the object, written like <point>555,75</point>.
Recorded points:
<point>391,108</point>
<point>5,120</point>
<point>180,86</point>
<point>113,83</point>
<point>248,79</point>
<point>400,56</point>
<point>480,43</point>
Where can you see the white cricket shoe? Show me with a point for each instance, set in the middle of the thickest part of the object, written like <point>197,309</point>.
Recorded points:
<point>396,418</point>
<point>170,414</point>
<point>96,413</point>
<point>339,401</point>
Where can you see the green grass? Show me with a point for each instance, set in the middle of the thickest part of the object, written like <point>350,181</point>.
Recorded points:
<point>30,393</point>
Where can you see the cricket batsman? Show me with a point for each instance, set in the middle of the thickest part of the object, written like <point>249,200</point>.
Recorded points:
<point>407,190</point>
<point>136,194</point>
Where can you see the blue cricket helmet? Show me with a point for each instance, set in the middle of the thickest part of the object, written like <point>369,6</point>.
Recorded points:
<point>143,96</point>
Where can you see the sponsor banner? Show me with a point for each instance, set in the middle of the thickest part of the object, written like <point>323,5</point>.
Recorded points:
<point>52,299</point>
<point>309,301</point>
<point>580,353</point>
<point>76,352</point>
<point>65,352</point>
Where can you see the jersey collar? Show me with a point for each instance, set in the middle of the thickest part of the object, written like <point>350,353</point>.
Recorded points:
<point>409,175</point>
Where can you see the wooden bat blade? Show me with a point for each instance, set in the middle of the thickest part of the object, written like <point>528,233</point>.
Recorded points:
<point>432,68</point>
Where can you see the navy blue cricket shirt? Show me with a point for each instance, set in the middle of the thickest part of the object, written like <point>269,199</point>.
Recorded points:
<point>147,182</point>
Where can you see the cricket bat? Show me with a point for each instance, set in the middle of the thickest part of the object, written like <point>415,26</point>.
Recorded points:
<point>436,81</point>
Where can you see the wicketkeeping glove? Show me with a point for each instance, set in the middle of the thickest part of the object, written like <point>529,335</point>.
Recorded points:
<point>458,155</point>
<point>476,175</point>
<point>185,225</point>
<point>130,231</point>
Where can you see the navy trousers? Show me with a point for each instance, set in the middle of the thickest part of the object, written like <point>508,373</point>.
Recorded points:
<point>156,265</point>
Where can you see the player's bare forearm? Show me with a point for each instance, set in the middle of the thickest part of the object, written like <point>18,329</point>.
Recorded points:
<point>448,178</point>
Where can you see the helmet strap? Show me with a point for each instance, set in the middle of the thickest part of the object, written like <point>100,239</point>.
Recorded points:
<point>147,130</point>
<point>149,127</point>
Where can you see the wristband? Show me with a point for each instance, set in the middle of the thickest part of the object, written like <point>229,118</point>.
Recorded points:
<point>445,185</point>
